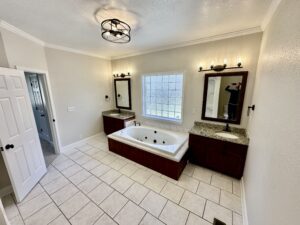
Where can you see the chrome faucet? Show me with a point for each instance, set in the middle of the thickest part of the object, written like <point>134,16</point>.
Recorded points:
<point>137,123</point>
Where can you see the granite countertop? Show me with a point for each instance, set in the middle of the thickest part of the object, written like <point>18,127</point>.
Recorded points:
<point>124,115</point>
<point>210,130</point>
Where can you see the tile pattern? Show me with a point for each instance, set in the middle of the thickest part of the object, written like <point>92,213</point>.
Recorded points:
<point>88,185</point>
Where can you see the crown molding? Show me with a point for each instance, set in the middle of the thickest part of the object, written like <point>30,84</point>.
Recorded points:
<point>72,50</point>
<point>17,31</point>
<point>271,11</point>
<point>30,37</point>
<point>194,42</point>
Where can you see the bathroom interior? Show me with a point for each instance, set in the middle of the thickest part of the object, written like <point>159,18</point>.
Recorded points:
<point>149,112</point>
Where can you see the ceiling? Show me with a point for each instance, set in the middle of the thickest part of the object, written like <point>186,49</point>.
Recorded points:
<point>160,23</point>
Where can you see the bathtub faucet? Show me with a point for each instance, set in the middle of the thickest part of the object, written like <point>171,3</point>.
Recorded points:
<point>137,123</point>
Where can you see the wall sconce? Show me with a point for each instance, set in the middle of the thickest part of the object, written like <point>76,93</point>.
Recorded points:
<point>122,75</point>
<point>219,68</point>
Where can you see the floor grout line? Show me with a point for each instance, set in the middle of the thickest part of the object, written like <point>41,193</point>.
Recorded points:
<point>17,209</point>
<point>204,208</point>
<point>90,200</point>
<point>129,177</point>
<point>162,209</point>
<point>37,211</point>
<point>98,205</point>
<point>187,218</point>
<point>56,206</point>
<point>143,217</point>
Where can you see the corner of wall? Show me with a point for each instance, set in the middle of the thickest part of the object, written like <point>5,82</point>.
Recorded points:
<point>3,57</point>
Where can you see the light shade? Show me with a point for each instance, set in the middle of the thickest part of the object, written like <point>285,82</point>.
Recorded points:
<point>115,31</point>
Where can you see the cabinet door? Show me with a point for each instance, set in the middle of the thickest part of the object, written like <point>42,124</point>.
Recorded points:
<point>112,124</point>
<point>197,149</point>
<point>234,159</point>
<point>215,154</point>
<point>222,156</point>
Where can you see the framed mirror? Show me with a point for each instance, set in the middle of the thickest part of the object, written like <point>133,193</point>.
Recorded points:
<point>223,96</point>
<point>123,93</point>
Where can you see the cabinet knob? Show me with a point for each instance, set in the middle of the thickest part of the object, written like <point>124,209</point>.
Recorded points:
<point>9,146</point>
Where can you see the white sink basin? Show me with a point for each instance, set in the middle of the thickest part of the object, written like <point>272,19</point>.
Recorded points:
<point>114,114</point>
<point>227,135</point>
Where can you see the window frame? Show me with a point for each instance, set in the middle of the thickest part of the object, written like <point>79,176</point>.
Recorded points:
<point>160,118</point>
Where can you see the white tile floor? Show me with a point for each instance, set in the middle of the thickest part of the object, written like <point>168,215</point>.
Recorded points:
<point>89,185</point>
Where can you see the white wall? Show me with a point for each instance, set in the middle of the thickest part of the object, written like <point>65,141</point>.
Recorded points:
<point>188,59</point>
<point>23,52</point>
<point>3,58</point>
<point>272,173</point>
<point>76,80</point>
<point>80,81</point>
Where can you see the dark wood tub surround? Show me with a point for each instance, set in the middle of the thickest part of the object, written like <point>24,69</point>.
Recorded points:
<point>160,164</point>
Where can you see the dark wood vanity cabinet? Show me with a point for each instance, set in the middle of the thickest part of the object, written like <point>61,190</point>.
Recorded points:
<point>112,124</point>
<point>222,156</point>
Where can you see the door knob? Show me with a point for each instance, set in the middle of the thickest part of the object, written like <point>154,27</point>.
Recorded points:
<point>9,146</point>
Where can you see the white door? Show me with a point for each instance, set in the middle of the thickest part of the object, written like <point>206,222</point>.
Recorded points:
<point>21,148</point>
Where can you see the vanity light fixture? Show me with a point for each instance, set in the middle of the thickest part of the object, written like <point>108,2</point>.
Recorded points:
<point>122,75</point>
<point>115,31</point>
<point>219,68</point>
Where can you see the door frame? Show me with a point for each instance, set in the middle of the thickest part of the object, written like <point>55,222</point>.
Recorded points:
<point>50,105</point>
<point>3,216</point>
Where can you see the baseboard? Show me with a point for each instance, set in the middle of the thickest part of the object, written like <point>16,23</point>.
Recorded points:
<point>77,143</point>
<point>244,205</point>
<point>6,191</point>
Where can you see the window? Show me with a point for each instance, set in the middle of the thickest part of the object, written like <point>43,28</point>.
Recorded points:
<point>162,96</point>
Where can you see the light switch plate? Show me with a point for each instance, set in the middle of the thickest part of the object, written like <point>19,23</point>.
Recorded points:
<point>71,108</point>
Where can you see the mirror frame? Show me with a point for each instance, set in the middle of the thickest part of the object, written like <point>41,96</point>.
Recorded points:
<point>244,75</point>
<point>129,92</point>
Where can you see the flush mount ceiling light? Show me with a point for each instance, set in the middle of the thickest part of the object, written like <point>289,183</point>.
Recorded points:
<point>115,31</point>
<point>113,27</point>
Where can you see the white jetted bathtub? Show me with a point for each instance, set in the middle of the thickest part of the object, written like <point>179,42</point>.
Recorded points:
<point>168,144</point>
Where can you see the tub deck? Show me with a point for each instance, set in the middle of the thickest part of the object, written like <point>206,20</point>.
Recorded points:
<point>160,164</point>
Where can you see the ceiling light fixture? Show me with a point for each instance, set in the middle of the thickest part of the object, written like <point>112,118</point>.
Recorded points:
<point>115,31</point>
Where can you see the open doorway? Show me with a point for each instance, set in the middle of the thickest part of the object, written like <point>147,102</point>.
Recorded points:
<point>37,89</point>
